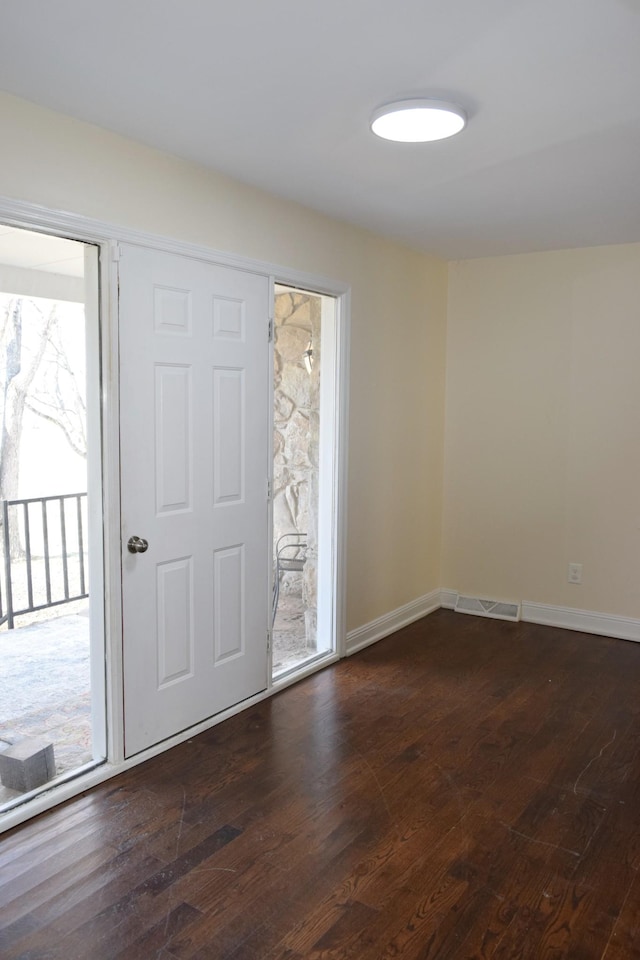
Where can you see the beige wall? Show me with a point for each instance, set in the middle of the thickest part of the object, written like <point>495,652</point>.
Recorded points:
<point>398,321</point>
<point>542,445</point>
<point>542,390</point>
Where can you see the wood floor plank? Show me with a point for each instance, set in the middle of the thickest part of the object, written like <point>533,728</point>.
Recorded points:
<point>466,789</point>
<point>53,920</point>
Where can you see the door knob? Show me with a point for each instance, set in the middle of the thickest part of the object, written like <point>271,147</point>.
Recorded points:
<point>137,545</point>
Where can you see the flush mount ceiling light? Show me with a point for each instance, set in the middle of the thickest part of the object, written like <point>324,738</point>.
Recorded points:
<point>417,121</point>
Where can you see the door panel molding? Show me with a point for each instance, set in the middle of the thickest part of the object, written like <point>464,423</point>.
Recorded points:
<point>174,616</point>
<point>194,433</point>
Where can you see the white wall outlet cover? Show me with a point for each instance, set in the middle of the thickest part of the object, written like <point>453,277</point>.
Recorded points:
<point>575,573</point>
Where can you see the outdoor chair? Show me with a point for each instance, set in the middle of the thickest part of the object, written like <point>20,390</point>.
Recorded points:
<point>291,555</point>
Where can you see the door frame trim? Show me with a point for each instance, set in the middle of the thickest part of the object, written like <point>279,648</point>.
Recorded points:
<point>107,236</point>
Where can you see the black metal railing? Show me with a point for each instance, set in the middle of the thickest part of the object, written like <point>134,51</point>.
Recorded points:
<point>43,553</point>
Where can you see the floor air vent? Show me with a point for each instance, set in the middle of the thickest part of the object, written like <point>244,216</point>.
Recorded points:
<point>498,609</point>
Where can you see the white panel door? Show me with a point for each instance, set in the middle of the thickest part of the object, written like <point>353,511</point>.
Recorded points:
<point>194,447</point>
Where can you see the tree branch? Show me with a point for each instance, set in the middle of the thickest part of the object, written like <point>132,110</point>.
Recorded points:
<point>80,450</point>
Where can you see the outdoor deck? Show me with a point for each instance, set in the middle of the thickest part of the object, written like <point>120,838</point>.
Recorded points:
<point>45,689</point>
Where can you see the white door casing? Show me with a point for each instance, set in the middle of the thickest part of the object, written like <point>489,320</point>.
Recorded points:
<point>194,374</point>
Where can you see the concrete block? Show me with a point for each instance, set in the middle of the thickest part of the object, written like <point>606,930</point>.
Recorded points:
<point>27,764</point>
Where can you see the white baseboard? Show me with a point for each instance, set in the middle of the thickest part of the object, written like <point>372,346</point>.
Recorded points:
<point>448,598</point>
<point>370,633</point>
<point>585,621</point>
<point>567,618</point>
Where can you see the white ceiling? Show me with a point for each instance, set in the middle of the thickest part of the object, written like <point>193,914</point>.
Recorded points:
<point>279,94</point>
<point>37,251</point>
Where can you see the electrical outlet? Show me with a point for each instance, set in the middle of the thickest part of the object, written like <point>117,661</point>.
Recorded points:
<point>575,573</point>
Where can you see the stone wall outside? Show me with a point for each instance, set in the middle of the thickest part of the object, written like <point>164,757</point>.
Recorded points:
<point>296,438</point>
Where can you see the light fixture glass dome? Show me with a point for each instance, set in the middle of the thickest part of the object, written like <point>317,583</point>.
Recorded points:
<point>418,121</point>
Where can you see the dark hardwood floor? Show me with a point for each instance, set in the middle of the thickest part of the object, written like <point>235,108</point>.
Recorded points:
<point>464,789</point>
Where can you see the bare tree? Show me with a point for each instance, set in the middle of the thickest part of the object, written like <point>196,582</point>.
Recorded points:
<point>20,369</point>
<point>57,396</point>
